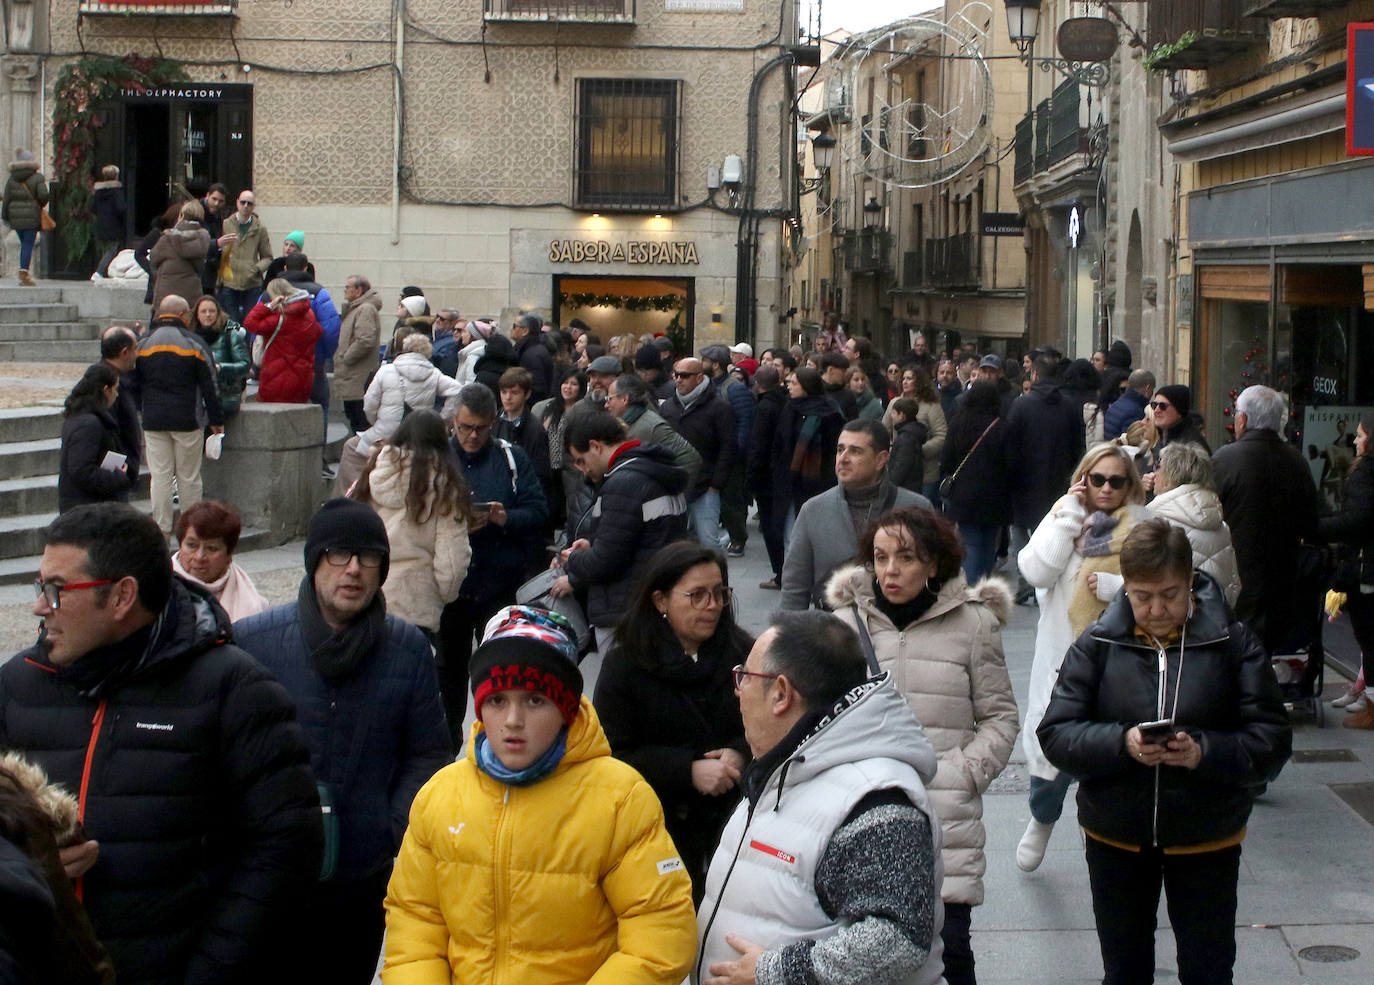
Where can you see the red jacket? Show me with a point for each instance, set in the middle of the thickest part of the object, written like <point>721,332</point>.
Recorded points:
<point>288,368</point>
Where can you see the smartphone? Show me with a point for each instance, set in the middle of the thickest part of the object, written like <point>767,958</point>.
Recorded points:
<point>481,509</point>
<point>1156,733</point>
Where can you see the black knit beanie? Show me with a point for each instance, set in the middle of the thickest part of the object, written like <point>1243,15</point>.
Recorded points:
<point>648,357</point>
<point>1178,395</point>
<point>349,524</point>
<point>1119,355</point>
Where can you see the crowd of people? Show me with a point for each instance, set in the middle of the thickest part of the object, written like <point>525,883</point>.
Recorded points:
<point>804,806</point>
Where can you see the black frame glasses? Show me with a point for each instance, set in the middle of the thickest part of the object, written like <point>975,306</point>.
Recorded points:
<point>1099,480</point>
<point>339,557</point>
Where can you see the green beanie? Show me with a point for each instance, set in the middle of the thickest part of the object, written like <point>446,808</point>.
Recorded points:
<point>297,237</point>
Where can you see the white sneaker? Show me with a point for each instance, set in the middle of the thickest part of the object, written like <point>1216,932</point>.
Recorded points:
<point>1357,704</point>
<point>1031,851</point>
<point>1348,698</point>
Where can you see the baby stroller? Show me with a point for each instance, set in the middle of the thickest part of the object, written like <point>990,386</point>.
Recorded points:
<point>1299,659</point>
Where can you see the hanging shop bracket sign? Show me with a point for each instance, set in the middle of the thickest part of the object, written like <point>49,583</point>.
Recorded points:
<point>636,252</point>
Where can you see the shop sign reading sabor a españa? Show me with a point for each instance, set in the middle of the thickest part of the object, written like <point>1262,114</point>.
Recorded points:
<point>600,251</point>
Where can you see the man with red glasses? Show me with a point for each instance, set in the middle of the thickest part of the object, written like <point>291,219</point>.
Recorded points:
<point>199,813</point>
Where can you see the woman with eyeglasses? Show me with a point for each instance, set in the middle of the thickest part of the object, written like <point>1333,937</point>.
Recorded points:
<point>942,642</point>
<point>1078,540</point>
<point>414,485</point>
<point>207,534</point>
<point>666,697</point>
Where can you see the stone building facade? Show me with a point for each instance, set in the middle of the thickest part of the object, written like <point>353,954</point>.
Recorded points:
<point>454,145</point>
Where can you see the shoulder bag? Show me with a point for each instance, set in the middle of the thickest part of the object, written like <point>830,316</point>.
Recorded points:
<point>947,483</point>
<point>260,347</point>
<point>865,641</point>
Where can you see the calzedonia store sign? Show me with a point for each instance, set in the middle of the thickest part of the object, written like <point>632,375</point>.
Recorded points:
<point>637,252</point>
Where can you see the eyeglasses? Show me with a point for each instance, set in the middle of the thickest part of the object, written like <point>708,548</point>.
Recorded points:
<point>1161,405</point>
<point>247,201</point>
<point>739,674</point>
<point>1099,480</point>
<point>53,592</point>
<point>340,556</point>
<point>702,597</point>
<point>472,430</point>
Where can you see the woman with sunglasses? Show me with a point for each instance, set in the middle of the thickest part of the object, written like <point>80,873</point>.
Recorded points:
<point>1078,540</point>
<point>942,642</point>
<point>666,698</point>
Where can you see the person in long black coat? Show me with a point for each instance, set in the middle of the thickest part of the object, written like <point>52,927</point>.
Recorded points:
<point>758,475</point>
<point>89,433</point>
<point>666,697</point>
<point>804,442</point>
<point>980,501</point>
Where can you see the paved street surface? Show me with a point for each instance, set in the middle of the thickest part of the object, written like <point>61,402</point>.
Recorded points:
<point>1307,874</point>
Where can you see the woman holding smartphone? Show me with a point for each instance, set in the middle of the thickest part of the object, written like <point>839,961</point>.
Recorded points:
<point>1168,714</point>
<point>1078,539</point>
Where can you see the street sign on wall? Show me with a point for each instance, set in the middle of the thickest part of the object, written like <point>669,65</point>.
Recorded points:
<point>1359,89</point>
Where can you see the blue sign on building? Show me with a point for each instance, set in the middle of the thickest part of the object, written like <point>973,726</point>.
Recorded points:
<point>1359,89</point>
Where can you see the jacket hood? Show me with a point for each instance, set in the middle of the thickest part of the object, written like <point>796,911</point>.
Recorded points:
<point>586,739</point>
<point>413,367</point>
<point>390,478</point>
<point>853,584</point>
<point>1048,390</point>
<point>474,347</point>
<point>23,170</point>
<point>186,227</point>
<point>654,460</point>
<point>1189,506</point>
<point>818,404</point>
<point>874,718</point>
<point>104,185</point>
<point>59,806</point>
<point>499,347</point>
<point>1117,623</point>
<point>298,301</point>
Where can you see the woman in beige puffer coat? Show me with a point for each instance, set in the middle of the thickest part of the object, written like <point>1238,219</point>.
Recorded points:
<point>413,485</point>
<point>942,641</point>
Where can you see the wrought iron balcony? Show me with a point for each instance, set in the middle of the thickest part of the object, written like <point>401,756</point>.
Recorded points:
<point>561,11</point>
<point>1273,9</point>
<point>868,251</point>
<point>1053,133</point>
<point>1024,146</point>
<point>1193,34</point>
<point>952,261</point>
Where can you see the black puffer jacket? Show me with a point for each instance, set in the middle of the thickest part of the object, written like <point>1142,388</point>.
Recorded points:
<point>1353,526</point>
<point>639,508</point>
<point>534,356</point>
<point>982,492</point>
<point>758,474</point>
<point>904,466</point>
<point>86,438</point>
<point>194,777</point>
<point>1227,700</point>
<point>1043,443</point>
<point>174,379</point>
<point>709,424</point>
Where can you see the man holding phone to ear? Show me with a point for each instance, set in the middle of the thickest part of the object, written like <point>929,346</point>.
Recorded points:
<point>1167,712</point>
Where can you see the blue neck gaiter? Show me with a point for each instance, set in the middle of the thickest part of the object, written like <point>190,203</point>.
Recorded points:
<point>490,764</point>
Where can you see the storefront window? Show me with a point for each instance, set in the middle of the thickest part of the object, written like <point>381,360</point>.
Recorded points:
<point>1239,336</point>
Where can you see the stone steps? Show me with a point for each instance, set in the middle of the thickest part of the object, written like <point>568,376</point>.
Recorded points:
<point>38,494</point>
<point>86,351</point>
<point>84,332</point>
<point>24,569</point>
<point>30,295</point>
<point>21,459</point>
<point>22,535</point>
<point>44,312</point>
<point>30,424</point>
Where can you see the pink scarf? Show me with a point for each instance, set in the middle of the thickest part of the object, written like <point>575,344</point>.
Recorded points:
<point>233,590</point>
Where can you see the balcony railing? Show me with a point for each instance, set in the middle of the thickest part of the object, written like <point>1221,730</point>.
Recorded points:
<point>1194,34</point>
<point>563,11</point>
<point>1274,9</point>
<point>952,261</point>
<point>161,8</point>
<point>1042,135</point>
<point>1024,146</point>
<point>868,250</point>
<point>1053,133</point>
<point>913,270</point>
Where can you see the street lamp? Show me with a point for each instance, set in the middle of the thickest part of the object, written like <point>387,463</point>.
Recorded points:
<point>1023,23</point>
<point>873,213</point>
<point>822,150</point>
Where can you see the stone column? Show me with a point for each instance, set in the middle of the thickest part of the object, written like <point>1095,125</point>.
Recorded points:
<point>21,96</point>
<point>270,468</point>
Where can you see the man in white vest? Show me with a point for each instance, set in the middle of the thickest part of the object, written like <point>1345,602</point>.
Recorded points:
<point>829,869</point>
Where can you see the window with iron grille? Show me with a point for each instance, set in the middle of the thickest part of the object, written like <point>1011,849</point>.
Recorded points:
<point>627,142</point>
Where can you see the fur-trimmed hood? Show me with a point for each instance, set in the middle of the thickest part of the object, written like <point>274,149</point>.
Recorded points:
<point>854,583</point>
<point>57,804</point>
<point>102,185</point>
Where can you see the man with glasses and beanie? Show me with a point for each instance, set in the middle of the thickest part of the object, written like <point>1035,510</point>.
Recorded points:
<point>505,534</point>
<point>244,258</point>
<point>200,823</point>
<point>368,699</point>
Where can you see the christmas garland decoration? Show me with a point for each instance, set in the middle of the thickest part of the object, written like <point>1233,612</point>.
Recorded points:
<point>657,302</point>
<point>80,88</point>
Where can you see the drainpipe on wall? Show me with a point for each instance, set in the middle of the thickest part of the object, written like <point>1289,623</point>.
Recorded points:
<point>396,124</point>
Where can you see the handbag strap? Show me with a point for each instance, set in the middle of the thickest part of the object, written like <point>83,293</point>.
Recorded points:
<point>866,641</point>
<point>281,318</point>
<point>975,447</point>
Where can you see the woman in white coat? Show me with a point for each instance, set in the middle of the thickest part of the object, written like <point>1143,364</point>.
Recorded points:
<point>1185,496</point>
<point>414,486</point>
<point>474,337</point>
<point>942,642</point>
<point>1069,556</point>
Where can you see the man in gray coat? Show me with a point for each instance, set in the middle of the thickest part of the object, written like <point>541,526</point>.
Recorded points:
<point>633,402</point>
<point>826,532</point>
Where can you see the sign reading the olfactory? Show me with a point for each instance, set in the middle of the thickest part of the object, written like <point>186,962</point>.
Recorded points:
<point>600,251</point>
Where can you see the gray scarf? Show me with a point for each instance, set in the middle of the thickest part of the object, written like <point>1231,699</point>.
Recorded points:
<point>693,395</point>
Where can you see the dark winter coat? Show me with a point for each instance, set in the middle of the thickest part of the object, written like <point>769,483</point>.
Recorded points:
<point>178,259</point>
<point>1227,700</point>
<point>1270,503</point>
<point>742,405</point>
<point>500,554</point>
<point>214,225</point>
<point>125,413</point>
<point>1188,431</point>
<point>758,476</point>
<point>229,349</point>
<point>498,357</point>
<point>905,466</point>
<point>1043,442</point>
<point>1124,411</point>
<point>375,736</point>
<point>174,379</point>
<point>709,424</point>
<point>639,508</point>
<point>194,777</point>
<point>797,476</point>
<point>1353,526</point>
<point>530,435</point>
<point>843,398</point>
<point>110,212</point>
<point>86,438</point>
<point>445,354</point>
<point>982,493</point>
<point>25,195</point>
<point>288,364</point>
<point>534,356</point>
<point>662,712</point>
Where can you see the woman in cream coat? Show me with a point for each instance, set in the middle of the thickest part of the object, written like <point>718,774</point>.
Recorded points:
<point>1073,560</point>
<point>1186,497</point>
<point>942,642</point>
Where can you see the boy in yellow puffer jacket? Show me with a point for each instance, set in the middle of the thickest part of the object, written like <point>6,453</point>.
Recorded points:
<point>537,859</point>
